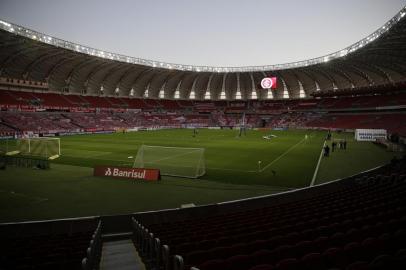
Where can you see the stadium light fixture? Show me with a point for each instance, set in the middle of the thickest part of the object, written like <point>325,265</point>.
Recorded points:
<point>343,52</point>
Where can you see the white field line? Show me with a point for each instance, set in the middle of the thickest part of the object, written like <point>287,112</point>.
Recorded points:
<point>282,155</point>
<point>317,166</point>
<point>171,147</point>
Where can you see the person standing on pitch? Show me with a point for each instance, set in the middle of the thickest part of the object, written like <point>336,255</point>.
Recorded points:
<point>333,146</point>
<point>326,150</point>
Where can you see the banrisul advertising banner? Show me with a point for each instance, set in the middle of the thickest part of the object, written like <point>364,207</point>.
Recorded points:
<point>128,173</point>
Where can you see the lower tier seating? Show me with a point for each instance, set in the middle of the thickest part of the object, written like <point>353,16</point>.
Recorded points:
<point>360,225</point>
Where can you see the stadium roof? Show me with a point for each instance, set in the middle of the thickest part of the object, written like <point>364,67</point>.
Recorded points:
<point>74,68</point>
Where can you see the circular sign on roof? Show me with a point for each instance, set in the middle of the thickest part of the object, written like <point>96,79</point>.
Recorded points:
<point>266,83</point>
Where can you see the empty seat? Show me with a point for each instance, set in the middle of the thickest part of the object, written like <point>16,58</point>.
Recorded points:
<point>263,257</point>
<point>240,262</point>
<point>335,257</point>
<point>382,262</point>
<point>371,247</point>
<point>313,261</point>
<point>400,259</point>
<point>213,265</point>
<point>359,265</point>
<point>288,264</point>
<point>263,267</point>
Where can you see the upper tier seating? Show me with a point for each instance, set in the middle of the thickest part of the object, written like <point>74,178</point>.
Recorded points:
<point>51,100</point>
<point>6,98</point>
<point>152,103</point>
<point>98,102</point>
<point>135,103</point>
<point>38,122</point>
<point>170,105</point>
<point>62,100</point>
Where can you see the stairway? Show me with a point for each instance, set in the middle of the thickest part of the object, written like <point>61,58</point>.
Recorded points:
<point>120,254</point>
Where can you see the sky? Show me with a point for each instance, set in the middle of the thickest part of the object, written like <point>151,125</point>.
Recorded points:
<point>221,33</point>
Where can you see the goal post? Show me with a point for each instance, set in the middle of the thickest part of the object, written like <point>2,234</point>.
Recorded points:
<point>172,161</point>
<point>49,148</point>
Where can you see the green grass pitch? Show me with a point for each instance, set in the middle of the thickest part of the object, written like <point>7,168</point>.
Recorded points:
<point>68,189</point>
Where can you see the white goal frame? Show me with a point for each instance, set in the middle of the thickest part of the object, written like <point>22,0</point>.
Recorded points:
<point>46,154</point>
<point>200,165</point>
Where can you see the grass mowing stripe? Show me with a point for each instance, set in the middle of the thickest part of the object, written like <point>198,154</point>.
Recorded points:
<point>16,194</point>
<point>98,159</point>
<point>282,155</point>
<point>173,156</point>
<point>231,170</point>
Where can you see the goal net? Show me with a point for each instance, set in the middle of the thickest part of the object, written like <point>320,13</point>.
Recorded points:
<point>8,146</point>
<point>172,161</point>
<point>43,147</point>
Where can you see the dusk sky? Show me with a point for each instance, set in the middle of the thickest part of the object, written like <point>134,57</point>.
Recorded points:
<point>208,32</point>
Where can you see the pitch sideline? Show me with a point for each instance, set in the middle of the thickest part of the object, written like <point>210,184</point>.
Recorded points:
<point>316,170</point>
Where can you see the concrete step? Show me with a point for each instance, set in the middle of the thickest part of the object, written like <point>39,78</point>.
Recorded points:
<point>116,236</point>
<point>120,254</point>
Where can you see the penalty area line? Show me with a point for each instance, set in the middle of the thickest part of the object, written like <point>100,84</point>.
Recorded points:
<point>282,155</point>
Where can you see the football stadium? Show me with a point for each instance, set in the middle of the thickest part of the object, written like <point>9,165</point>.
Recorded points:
<point>109,161</point>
